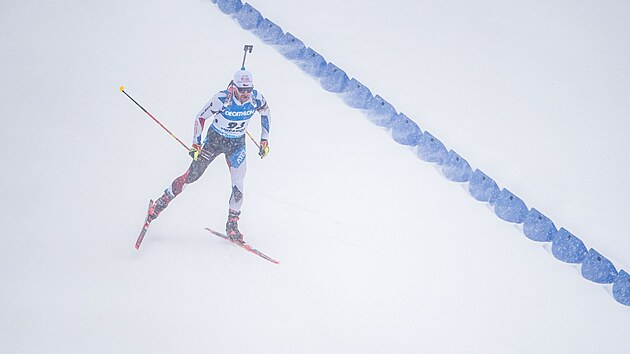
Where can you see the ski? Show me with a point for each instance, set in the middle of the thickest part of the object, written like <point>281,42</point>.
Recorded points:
<point>145,227</point>
<point>243,245</point>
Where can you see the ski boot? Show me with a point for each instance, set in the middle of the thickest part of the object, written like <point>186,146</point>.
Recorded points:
<point>159,206</point>
<point>231,227</point>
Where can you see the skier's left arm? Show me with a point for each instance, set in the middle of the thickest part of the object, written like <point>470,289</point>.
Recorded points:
<point>265,117</point>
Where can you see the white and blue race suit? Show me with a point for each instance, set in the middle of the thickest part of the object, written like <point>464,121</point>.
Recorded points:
<point>226,135</point>
<point>231,117</point>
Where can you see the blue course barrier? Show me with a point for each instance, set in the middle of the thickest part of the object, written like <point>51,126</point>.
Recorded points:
<point>248,17</point>
<point>311,63</point>
<point>510,207</point>
<point>357,95</point>
<point>568,248</point>
<point>380,112</point>
<point>621,288</point>
<point>483,188</point>
<point>289,46</point>
<point>229,7</point>
<point>405,131</point>
<point>598,268</point>
<point>268,32</point>
<point>430,149</point>
<point>334,79</point>
<point>456,168</point>
<point>537,227</point>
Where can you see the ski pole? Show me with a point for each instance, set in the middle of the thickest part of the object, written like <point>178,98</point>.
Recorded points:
<point>122,89</point>
<point>258,146</point>
<point>251,137</point>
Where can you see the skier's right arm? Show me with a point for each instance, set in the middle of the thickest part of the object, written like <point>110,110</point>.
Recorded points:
<point>198,131</point>
<point>209,109</point>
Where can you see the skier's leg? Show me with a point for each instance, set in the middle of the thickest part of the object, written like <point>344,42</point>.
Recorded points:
<point>237,163</point>
<point>195,170</point>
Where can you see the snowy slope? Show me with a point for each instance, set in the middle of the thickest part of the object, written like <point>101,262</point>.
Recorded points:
<point>379,253</point>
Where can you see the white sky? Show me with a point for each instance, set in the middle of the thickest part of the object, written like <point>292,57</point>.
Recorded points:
<point>379,253</point>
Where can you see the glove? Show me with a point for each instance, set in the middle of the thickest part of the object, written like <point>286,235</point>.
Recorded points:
<point>264,148</point>
<point>195,151</point>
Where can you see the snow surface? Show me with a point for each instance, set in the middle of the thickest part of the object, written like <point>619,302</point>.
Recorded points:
<point>379,253</point>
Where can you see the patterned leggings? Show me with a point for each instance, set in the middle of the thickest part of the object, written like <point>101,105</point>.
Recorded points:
<point>235,155</point>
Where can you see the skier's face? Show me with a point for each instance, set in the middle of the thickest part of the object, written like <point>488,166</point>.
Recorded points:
<point>243,93</point>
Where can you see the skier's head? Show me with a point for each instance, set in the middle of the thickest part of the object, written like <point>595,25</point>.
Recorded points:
<point>244,83</point>
<point>243,79</point>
